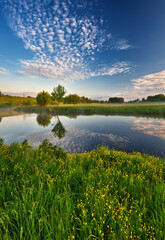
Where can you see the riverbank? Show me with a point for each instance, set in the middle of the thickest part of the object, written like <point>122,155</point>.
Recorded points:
<point>123,109</point>
<point>103,194</point>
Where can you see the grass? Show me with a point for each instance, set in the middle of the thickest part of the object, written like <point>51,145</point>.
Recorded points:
<point>125,109</point>
<point>11,101</point>
<point>29,105</point>
<point>104,194</point>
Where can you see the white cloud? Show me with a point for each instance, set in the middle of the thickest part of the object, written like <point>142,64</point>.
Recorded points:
<point>51,30</point>
<point>3,71</point>
<point>155,81</point>
<point>121,45</point>
<point>121,67</point>
<point>144,86</point>
<point>67,71</point>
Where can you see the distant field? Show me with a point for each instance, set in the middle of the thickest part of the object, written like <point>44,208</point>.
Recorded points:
<point>11,101</point>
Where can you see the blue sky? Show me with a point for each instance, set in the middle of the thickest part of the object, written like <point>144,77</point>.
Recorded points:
<point>96,48</point>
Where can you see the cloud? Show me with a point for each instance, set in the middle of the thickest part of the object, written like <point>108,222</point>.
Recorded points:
<point>121,67</point>
<point>21,94</point>
<point>63,38</point>
<point>154,82</point>
<point>3,71</point>
<point>121,45</point>
<point>64,71</point>
<point>150,84</point>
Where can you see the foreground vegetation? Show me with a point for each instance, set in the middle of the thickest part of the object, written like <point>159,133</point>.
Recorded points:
<point>105,194</point>
<point>137,109</point>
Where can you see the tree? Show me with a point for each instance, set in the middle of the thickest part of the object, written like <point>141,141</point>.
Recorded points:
<point>58,93</point>
<point>158,97</point>
<point>72,99</point>
<point>43,98</point>
<point>0,94</point>
<point>116,100</point>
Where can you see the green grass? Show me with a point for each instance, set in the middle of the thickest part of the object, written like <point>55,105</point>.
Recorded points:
<point>126,109</point>
<point>29,105</point>
<point>103,194</point>
<point>11,101</point>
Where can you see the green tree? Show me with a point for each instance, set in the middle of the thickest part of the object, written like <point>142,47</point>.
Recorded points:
<point>0,94</point>
<point>72,99</point>
<point>58,93</point>
<point>43,98</point>
<point>116,100</point>
<point>158,97</point>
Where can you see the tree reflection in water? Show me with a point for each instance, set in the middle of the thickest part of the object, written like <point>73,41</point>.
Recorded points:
<point>44,119</point>
<point>59,130</point>
<point>0,119</point>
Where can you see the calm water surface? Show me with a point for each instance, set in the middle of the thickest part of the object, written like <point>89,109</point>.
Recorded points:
<point>84,133</point>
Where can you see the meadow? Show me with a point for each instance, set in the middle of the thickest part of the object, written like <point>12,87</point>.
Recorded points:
<point>12,101</point>
<point>47,193</point>
<point>29,105</point>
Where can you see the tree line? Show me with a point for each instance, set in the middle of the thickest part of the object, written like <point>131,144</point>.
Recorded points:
<point>58,93</point>
<point>44,98</point>
<point>154,98</point>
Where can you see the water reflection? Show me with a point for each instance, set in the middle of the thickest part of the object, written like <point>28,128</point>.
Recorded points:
<point>0,119</point>
<point>44,119</point>
<point>87,132</point>
<point>72,116</point>
<point>154,127</point>
<point>58,129</point>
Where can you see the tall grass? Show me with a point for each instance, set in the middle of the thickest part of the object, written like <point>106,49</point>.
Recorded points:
<point>138,109</point>
<point>104,194</point>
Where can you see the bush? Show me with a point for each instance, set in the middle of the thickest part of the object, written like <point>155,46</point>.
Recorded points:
<point>50,149</point>
<point>72,99</point>
<point>43,98</point>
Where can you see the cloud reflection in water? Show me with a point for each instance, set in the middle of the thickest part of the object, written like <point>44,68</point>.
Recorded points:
<point>79,140</point>
<point>151,126</point>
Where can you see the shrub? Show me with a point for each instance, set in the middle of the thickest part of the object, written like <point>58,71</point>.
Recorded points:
<point>72,99</point>
<point>43,98</point>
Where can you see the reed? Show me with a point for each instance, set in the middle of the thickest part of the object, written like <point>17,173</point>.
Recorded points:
<point>138,109</point>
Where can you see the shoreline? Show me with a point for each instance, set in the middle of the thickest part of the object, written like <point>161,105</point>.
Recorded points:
<point>143,110</point>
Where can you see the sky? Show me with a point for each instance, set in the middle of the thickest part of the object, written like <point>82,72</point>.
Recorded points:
<point>94,48</point>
